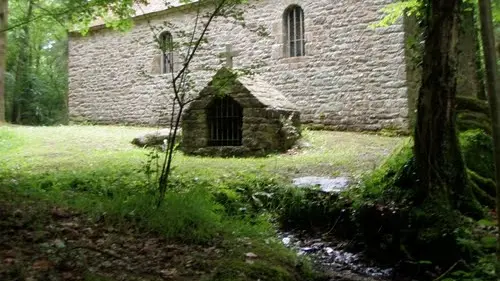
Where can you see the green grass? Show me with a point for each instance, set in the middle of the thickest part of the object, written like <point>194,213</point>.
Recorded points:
<point>95,169</point>
<point>92,148</point>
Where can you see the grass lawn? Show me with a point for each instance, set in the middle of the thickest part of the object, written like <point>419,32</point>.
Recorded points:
<point>90,148</point>
<point>95,173</point>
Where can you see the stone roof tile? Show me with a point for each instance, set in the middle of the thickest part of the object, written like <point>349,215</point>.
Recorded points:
<point>267,94</point>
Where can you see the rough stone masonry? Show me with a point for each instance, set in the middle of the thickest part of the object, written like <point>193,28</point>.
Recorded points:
<point>352,76</point>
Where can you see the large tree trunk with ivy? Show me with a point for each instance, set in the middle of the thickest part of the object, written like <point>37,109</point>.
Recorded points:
<point>487,34</point>
<point>3,52</point>
<point>440,168</point>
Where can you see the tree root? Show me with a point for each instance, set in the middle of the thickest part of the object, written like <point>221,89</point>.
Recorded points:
<point>487,185</point>
<point>482,196</point>
<point>442,276</point>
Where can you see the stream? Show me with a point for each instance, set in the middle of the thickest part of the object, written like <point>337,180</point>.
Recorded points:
<point>330,256</point>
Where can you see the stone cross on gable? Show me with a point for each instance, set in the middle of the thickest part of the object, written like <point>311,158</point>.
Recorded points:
<point>229,54</point>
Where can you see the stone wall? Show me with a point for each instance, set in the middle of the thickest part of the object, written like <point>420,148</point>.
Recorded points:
<point>353,77</point>
<point>270,123</point>
<point>262,133</point>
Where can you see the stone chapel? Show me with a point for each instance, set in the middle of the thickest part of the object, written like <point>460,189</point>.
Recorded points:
<point>322,55</point>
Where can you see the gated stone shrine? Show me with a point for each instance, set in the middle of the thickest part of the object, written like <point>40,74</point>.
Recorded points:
<point>239,116</point>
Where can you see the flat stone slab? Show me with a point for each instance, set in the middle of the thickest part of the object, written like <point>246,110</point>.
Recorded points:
<point>155,138</point>
<point>326,184</point>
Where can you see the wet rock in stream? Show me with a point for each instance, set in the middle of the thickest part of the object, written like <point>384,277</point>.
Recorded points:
<point>330,257</point>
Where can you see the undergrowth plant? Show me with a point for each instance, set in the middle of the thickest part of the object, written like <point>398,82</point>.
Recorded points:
<point>181,83</point>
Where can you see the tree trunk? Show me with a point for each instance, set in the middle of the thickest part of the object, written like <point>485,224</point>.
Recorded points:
<point>3,52</point>
<point>440,167</point>
<point>22,88</point>
<point>469,82</point>
<point>487,34</point>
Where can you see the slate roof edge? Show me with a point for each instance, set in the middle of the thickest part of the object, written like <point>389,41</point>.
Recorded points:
<point>286,104</point>
<point>165,11</point>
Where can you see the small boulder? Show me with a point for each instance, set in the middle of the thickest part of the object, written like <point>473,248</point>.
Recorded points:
<point>156,138</point>
<point>326,184</point>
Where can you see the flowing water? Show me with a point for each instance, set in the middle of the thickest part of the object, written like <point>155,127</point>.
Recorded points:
<point>330,257</point>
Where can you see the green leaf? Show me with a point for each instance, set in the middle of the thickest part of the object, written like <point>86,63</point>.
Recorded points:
<point>484,222</point>
<point>394,11</point>
<point>489,242</point>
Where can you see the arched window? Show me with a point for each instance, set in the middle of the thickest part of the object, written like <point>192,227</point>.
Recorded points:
<point>294,31</point>
<point>167,51</point>
<point>225,122</point>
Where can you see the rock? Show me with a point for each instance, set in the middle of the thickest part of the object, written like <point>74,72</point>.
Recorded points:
<point>60,213</point>
<point>326,184</point>
<point>307,249</point>
<point>18,213</point>
<point>251,255</point>
<point>59,244</point>
<point>317,245</point>
<point>169,273</point>
<point>106,264</point>
<point>286,241</point>
<point>329,251</point>
<point>302,144</point>
<point>156,138</point>
<point>42,265</point>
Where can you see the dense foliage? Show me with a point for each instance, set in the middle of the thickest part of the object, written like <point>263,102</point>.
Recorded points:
<point>36,74</point>
<point>36,78</point>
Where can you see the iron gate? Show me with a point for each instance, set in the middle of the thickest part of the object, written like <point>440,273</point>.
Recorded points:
<point>225,122</point>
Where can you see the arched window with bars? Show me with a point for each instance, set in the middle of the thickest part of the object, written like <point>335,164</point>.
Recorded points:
<point>294,31</point>
<point>225,122</point>
<point>167,51</point>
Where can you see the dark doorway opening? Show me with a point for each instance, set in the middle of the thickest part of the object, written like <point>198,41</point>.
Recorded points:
<point>225,122</point>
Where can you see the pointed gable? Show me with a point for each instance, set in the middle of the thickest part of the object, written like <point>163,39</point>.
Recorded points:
<point>239,110</point>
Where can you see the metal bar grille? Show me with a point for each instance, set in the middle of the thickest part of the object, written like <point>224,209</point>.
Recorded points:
<point>168,52</point>
<point>225,122</point>
<point>295,31</point>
